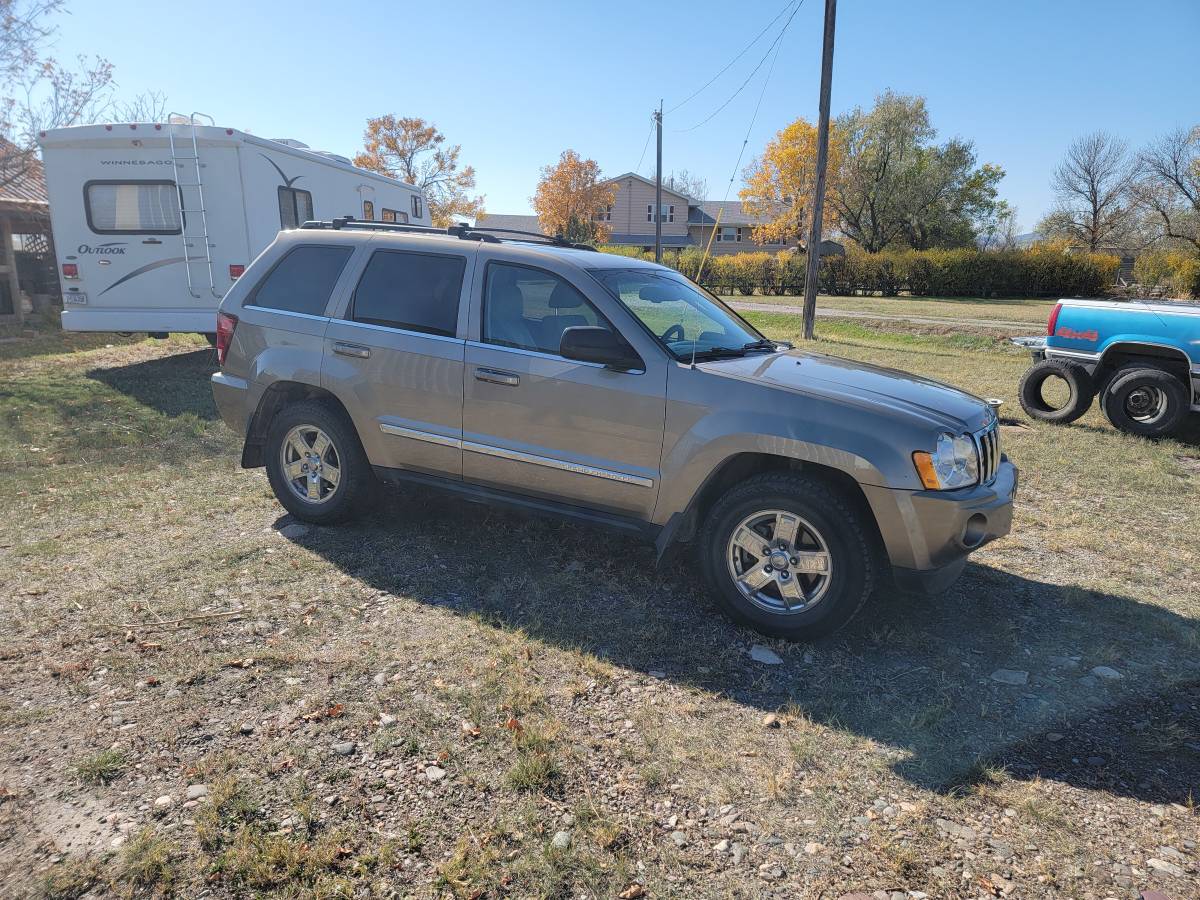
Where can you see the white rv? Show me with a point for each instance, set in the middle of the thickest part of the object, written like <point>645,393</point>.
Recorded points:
<point>152,223</point>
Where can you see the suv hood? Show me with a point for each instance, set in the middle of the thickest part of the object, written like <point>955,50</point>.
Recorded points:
<point>844,380</point>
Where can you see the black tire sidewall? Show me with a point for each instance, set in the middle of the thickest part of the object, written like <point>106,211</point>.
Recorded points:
<point>1124,382</point>
<point>1078,381</point>
<point>355,471</point>
<point>853,563</point>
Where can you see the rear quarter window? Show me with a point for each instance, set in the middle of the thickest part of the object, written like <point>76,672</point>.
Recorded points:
<point>302,281</point>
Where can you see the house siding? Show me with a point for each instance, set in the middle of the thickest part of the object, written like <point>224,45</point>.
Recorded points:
<point>700,235</point>
<point>629,209</point>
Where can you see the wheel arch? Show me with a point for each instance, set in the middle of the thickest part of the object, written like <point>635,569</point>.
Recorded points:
<point>275,398</point>
<point>1123,352</point>
<point>683,527</point>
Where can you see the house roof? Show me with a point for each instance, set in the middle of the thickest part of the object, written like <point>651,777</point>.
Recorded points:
<point>644,180</point>
<point>22,180</point>
<point>518,223</point>
<point>732,212</point>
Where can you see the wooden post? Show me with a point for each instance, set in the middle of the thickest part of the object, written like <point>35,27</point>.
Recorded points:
<point>818,205</point>
<point>9,258</point>
<point>658,188</point>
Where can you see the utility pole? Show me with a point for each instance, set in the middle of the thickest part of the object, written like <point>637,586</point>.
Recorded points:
<point>658,188</point>
<point>818,204</point>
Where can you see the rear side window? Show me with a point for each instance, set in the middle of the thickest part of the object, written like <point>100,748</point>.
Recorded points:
<point>295,207</point>
<point>132,207</point>
<point>302,281</point>
<point>412,291</point>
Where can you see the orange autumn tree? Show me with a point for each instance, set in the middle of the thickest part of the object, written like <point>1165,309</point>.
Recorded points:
<point>780,184</point>
<point>570,198</point>
<point>415,152</point>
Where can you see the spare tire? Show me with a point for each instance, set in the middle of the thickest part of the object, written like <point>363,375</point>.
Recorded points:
<point>1079,383</point>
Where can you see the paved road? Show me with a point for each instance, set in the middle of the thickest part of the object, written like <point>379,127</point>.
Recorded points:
<point>1025,327</point>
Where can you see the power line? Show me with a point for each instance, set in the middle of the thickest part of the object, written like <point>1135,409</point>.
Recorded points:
<point>729,65</point>
<point>754,117</point>
<point>773,45</point>
<point>637,168</point>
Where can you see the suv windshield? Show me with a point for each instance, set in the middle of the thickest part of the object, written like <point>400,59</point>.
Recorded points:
<point>686,318</point>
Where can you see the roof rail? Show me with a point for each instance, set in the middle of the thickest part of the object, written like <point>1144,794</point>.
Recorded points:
<point>556,240</point>
<point>462,232</point>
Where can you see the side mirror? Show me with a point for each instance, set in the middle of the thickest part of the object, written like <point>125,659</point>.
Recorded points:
<point>598,345</point>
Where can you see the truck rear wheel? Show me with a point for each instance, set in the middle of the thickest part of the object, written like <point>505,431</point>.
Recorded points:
<point>1145,401</point>
<point>1072,379</point>
<point>787,555</point>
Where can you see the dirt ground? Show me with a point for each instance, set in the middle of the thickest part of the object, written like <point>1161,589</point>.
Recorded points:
<point>199,696</point>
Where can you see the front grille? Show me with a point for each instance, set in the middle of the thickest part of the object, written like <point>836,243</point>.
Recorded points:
<point>988,444</point>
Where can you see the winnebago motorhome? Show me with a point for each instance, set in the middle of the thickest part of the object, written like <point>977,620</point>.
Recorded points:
<point>153,223</point>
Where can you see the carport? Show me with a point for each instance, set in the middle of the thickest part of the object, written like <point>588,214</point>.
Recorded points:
<point>26,254</point>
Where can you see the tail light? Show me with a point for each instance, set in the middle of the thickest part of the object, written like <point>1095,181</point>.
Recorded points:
<point>70,270</point>
<point>235,271</point>
<point>225,326</point>
<point>1052,322</point>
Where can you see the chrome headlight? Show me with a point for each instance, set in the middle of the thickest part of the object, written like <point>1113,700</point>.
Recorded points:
<point>954,463</point>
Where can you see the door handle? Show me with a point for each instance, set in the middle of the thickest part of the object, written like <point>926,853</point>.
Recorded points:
<point>495,376</point>
<point>341,348</point>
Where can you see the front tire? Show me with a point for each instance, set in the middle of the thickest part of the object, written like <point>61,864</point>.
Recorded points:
<point>788,555</point>
<point>316,464</point>
<point>1145,401</point>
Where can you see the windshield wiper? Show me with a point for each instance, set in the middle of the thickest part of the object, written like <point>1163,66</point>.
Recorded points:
<point>763,344</point>
<point>716,353</point>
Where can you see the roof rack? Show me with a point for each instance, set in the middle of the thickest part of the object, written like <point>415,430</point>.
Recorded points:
<point>462,232</point>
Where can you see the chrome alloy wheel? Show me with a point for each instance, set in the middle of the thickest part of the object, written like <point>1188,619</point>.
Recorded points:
<point>1145,404</point>
<point>310,463</point>
<point>779,562</point>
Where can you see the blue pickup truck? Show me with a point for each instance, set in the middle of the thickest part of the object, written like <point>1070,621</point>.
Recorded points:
<point>1141,359</point>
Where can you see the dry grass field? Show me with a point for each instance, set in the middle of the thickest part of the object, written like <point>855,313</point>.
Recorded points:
<point>201,697</point>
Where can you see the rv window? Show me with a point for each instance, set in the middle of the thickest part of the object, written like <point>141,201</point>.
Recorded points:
<point>416,207</point>
<point>390,215</point>
<point>413,291</point>
<point>132,207</point>
<point>368,211</point>
<point>302,281</point>
<point>295,207</point>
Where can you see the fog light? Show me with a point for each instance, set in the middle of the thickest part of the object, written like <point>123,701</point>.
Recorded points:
<point>975,531</point>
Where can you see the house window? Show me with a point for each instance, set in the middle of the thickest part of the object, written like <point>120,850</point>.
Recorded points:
<point>416,206</point>
<point>729,235</point>
<point>295,207</point>
<point>605,215</point>
<point>368,210</point>
<point>132,207</point>
<point>667,212</point>
<point>391,215</point>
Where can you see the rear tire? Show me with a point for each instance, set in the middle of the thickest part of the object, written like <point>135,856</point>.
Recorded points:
<point>1146,401</point>
<point>316,465</point>
<point>1079,383</point>
<point>789,602</point>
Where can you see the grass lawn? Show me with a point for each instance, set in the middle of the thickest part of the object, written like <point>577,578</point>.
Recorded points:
<point>197,695</point>
<point>1034,310</point>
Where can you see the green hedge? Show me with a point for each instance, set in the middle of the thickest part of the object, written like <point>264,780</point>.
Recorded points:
<point>925,273</point>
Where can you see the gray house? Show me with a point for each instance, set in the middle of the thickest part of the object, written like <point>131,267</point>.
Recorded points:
<point>686,222</point>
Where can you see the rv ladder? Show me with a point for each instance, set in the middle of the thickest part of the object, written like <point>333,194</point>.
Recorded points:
<point>200,214</point>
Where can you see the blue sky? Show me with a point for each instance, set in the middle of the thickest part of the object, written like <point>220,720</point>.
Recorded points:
<point>515,83</point>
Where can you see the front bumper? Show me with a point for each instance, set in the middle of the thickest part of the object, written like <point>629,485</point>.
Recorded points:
<point>925,531</point>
